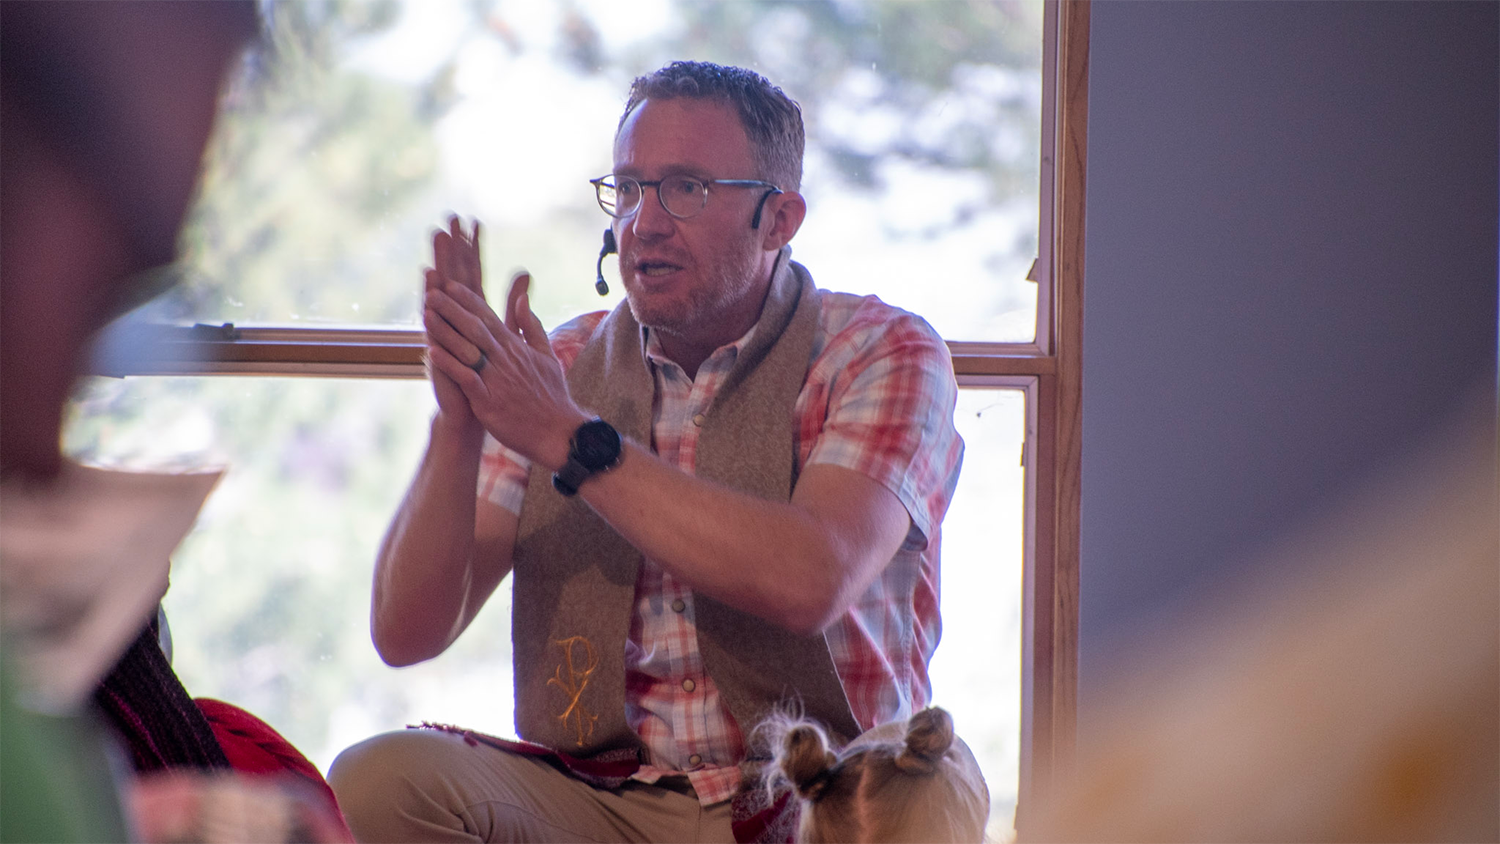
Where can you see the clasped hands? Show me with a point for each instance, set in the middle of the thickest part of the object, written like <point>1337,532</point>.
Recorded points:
<point>500,373</point>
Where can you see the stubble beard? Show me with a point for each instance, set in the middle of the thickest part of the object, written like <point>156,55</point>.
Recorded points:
<point>727,281</point>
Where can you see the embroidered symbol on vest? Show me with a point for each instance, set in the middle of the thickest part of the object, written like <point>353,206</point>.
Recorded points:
<point>575,681</point>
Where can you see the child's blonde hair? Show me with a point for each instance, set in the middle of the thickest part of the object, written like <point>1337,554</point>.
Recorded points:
<point>906,781</point>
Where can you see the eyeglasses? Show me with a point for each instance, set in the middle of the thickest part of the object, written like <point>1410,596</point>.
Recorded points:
<point>680,196</point>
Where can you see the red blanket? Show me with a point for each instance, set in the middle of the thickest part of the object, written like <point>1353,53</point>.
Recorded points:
<point>253,747</point>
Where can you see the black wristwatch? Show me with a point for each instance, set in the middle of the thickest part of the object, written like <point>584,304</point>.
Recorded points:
<point>595,448</point>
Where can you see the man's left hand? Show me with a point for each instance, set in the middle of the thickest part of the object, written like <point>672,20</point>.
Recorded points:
<point>517,389</point>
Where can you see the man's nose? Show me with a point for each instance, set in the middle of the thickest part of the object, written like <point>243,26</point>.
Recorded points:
<point>651,219</point>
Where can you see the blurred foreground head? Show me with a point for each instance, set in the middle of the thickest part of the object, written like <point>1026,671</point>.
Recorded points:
<point>1352,695</point>
<point>906,781</point>
<point>106,108</point>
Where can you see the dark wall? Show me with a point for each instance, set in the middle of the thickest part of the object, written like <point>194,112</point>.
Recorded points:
<point>1291,276</point>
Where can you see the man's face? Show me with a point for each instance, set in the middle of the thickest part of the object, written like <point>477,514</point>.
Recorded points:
<point>708,272</point>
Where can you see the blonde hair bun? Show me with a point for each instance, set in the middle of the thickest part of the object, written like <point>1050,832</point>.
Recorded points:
<point>806,759</point>
<point>929,734</point>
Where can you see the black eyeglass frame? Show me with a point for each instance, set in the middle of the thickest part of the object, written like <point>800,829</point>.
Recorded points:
<point>599,185</point>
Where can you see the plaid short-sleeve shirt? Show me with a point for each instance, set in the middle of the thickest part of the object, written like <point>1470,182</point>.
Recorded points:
<point>878,400</point>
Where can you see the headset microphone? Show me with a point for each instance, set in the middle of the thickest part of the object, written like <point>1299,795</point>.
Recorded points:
<point>609,249</point>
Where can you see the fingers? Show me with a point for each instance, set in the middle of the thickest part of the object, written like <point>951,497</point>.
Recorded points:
<point>441,334</point>
<point>459,248</point>
<point>531,327</point>
<point>455,255</point>
<point>461,319</point>
<point>466,255</point>
<point>519,286</point>
<point>521,319</point>
<point>476,275</point>
<point>467,300</point>
<point>440,253</point>
<point>456,370</point>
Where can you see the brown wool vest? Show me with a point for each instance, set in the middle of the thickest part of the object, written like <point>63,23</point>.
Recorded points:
<point>575,577</point>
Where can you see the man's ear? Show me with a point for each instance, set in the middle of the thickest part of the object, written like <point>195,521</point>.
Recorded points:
<point>782,218</point>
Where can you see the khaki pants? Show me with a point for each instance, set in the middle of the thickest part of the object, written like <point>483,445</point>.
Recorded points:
<point>429,785</point>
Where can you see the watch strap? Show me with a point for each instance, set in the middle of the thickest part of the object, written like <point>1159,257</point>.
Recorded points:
<point>570,477</point>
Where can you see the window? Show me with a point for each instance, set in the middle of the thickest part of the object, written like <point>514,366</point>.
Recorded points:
<point>936,129</point>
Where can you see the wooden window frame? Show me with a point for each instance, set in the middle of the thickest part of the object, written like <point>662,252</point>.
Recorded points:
<point>1049,370</point>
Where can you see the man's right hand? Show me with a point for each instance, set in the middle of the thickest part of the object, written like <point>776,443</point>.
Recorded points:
<point>455,257</point>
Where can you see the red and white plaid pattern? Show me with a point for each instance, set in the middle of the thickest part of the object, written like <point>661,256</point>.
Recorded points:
<point>879,400</point>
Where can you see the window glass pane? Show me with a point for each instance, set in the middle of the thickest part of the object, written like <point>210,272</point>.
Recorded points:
<point>270,593</point>
<point>976,672</point>
<point>269,598</point>
<point>366,123</point>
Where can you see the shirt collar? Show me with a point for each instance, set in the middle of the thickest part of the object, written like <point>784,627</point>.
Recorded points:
<point>656,356</point>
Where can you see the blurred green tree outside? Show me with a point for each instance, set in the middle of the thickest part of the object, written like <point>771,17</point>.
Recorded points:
<point>330,169</point>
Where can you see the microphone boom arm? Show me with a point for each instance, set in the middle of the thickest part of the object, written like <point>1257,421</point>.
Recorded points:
<point>609,248</point>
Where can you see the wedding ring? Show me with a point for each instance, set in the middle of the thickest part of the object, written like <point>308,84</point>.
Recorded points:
<point>479,364</point>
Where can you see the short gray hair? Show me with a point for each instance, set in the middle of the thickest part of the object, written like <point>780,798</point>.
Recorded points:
<point>772,120</point>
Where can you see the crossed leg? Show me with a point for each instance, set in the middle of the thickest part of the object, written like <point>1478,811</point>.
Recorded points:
<point>429,785</point>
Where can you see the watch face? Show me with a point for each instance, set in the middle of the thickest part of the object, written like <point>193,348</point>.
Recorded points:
<point>597,445</point>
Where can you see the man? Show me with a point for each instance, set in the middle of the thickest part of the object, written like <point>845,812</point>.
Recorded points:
<point>720,498</point>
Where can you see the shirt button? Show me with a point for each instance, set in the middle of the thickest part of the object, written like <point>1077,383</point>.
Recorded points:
<point>679,605</point>
<point>695,760</point>
<point>698,419</point>
<point>688,685</point>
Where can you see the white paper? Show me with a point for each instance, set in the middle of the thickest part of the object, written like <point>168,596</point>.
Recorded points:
<point>82,563</point>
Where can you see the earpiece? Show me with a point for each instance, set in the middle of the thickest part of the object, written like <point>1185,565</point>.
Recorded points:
<point>609,249</point>
<point>755,223</point>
